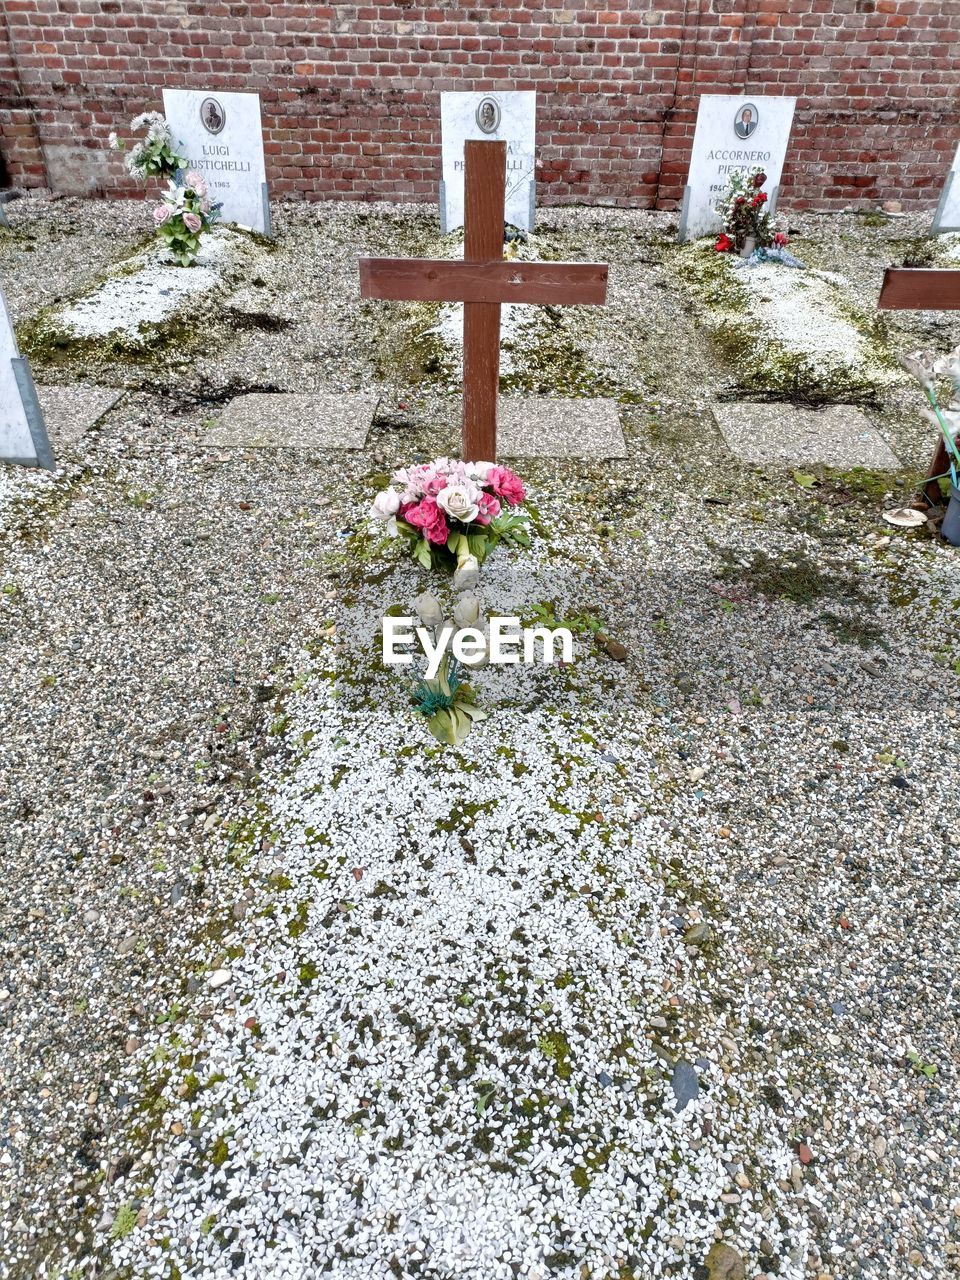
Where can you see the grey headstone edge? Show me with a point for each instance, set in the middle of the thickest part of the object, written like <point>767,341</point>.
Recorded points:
<point>936,226</point>
<point>267,219</point>
<point>31,406</point>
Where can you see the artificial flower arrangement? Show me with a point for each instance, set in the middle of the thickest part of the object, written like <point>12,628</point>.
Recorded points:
<point>154,156</point>
<point>745,214</point>
<point>185,210</point>
<point>184,213</point>
<point>454,512</point>
<point>447,700</point>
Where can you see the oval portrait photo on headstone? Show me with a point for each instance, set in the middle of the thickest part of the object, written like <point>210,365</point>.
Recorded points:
<point>746,120</point>
<point>212,115</point>
<point>488,115</point>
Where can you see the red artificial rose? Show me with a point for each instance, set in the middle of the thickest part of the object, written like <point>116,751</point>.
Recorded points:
<point>724,244</point>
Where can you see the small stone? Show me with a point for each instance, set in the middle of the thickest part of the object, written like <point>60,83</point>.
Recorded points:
<point>685,1084</point>
<point>219,978</point>
<point>724,1263</point>
<point>132,1044</point>
<point>698,935</point>
<point>612,648</point>
<point>880,1146</point>
<point>804,1154</point>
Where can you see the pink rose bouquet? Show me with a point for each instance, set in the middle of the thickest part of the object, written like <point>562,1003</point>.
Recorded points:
<point>184,215</point>
<point>454,512</point>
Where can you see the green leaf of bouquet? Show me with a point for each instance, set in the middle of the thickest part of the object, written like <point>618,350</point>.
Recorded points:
<point>443,677</point>
<point>475,714</point>
<point>461,725</point>
<point>441,726</point>
<point>423,554</point>
<point>479,545</point>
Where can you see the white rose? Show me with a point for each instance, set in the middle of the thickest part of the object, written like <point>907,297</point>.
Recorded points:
<point>467,574</point>
<point>386,504</point>
<point>466,612</point>
<point>459,500</point>
<point>428,610</point>
<point>479,470</point>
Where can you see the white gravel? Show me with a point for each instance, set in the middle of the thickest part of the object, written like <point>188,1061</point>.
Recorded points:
<point>458,1039</point>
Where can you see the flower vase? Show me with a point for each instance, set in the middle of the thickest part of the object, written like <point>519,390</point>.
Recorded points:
<point>749,244</point>
<point>950,529</point>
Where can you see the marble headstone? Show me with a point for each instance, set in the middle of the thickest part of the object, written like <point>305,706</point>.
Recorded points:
<point>221,136</point>
<point>733,132</point>
<point>947,217</point>
<point>23,436</point>
<point>502,117</point>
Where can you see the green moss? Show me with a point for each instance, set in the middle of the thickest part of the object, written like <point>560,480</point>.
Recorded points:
<point>874,485</point>
<point>798,579</point>
<point>124,1222</point>
<point>220,1152</point>
<point>556,1047</point>
<point>856,630</point>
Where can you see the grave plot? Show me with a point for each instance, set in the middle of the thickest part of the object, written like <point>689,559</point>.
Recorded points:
<point>145,312</point>
<point>787,333</point>
<point>456,995</point>
<point>556,399</point>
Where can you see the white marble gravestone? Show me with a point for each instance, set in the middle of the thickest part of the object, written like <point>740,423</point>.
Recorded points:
<point>947,217</point>
<point>501,117</point>
<point>221,136</point>
<point>733,132</point>
<point>23,436</point>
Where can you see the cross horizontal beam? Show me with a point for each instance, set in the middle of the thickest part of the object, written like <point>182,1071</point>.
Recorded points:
<point>920,289</point>
<point>442,280</point>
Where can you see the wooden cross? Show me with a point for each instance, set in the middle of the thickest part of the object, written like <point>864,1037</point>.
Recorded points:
<point>923,289</point>
<point>483,281</point>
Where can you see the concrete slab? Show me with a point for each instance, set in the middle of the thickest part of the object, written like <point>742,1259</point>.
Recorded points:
<point>70,412</point>
<point>291,420</point>
<point>783,434</point>
<point>543,427</point>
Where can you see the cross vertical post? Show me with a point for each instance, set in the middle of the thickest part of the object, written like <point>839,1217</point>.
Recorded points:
<point>483,281</point>
<point>485,189</point>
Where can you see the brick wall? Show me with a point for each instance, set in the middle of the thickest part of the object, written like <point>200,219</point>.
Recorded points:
<point>349,91</point>
<point>19,142</point>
